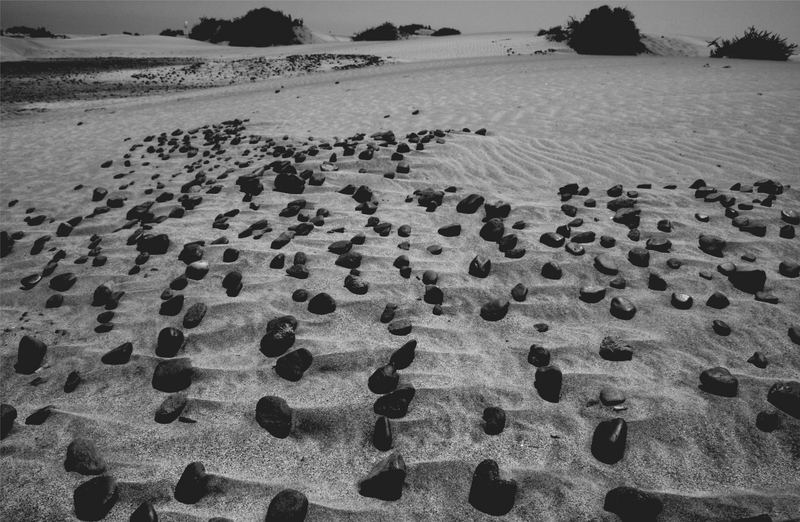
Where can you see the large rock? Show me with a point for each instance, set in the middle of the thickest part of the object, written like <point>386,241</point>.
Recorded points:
<point>382,434</point>
<point>470,204</point>
<point>385,480</point>
<point>383,380</point>
<point>94,498</point>
<point>83,457</point>
<point>194,315</point>
<point>605,264</point>
<point>170,341</point>
<point>494,310</point>
<point>30,354</point>
<point>489,493</point>
<point>171,408</point>
<point>395,405</point>
<point>719,381</point>
<point>404,356</point>
<point>609,439</point>
<point>274,415</point>
<point>289,183</point>
<point>548,382</point>
<point>193,484</point>
<point>119,355</point>
<point>632,505</point>
<point>173,375</point>
<point>63,282</point>
<point>292,365</point>
<point>492,230</point>
<point>494,420</point>
<point>750,280</point>
<point>144,513</point>
<point>280,336</point>
<point>786,397</point>
<point>288,505</point>
<point>480,266</point>
<point>712,245</point>
<point>612,349</point>
<point>322,304</point>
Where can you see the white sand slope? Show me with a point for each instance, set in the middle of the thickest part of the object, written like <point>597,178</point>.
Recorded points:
<point>551,120</point>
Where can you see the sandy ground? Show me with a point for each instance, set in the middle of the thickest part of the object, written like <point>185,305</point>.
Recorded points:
<point>551,120</point>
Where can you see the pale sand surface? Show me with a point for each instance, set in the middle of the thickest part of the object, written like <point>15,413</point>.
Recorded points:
<point>551,120</point>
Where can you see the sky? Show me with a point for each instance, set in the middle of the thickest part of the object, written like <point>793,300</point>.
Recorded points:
<point>701,18</point>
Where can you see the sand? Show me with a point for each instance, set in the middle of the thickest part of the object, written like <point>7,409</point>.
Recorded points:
<point>551,120</point>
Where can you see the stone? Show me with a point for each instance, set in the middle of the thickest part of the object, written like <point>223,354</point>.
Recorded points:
<point>395,404</point>
<point>63,282</point>
<point>609,440</point>
<point>191,253</point>
<point>794,333</point>
<point>583,237</point>
<point>639,256</point>
<point>144,513</point>
<point>119,355</point>
<point>712,245</point>
<point>84,458</point>
<point>280,336</point>
<point>592,293</point>
<point>30,354</point>
<point>197,270</point>
<point>292,365</point>
<point>274,415</point>
<point>489,493</point>
<point>786,397</point>
<point>492,230</point>
<point>538,356</point>
<point>400,327</point>
<point>758,360</point>
<point>548,382</point>
<point>494,420</point>
<point>289,505</point>
<point>607,241</point>
<point>433,295</point>
<point>193,484</point>
<point>94,498</point>
<point>519,293</point>
<point>612,349</point>
<point>721,327</point>
<point>173,375</point>
<point>605,264</point>
<point>171,408</point>
<point>382,434</point>
<point>300,295</point>
<point>575,249</point>
<point>750,280</point>
<point>791,217</point>
<point>170,341</point>
<point>404,356</point>
<point>340,247</point>
<point>552,239</point>
<point>768,421</point>
<point>73,380</point>
<point>633,505</point>
<point>356,285</point>
<point>322,304</point>
<point>480,266</point>
<point>470,204</point>
<point>179,283</point>
<point>552,270</point>
<point>719,381</point>
<point>681,301</point>
<point>610,396</point>
<point>452,230</point>
<point>622,308</point>
<point>383,380</point>
<point>618,282</point>
<point>494,310</point>
<point>194,315</point>
<point>656,281</point>
<point>385,480</point>
<point>789,269</point>
<point>8,414</point>
<point>718,300</point>
<point>349,260</point>
<point>172,306</point>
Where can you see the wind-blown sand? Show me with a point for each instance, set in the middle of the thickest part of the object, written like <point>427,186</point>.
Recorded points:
<point>551,120</point>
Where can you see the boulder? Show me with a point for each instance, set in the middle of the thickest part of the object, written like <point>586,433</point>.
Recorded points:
<point>94,498</point>
<point>30,354</point>
<point>489,493</point>
<point>609,440</point>
<point>385,480</point>
<point>786,397</point>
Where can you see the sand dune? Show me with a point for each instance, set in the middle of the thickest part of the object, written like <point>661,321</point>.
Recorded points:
<point>551,120</point>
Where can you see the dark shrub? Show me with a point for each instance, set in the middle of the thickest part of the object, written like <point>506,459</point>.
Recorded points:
<point>411,29</point>
<point>554,34</point>
<point>171,32</point>
<point>38,32</point>
<point>754,45</point>
<point>605,31</point>
<point>385,31</point>
<point>258,28</point>
<point>446,31</point>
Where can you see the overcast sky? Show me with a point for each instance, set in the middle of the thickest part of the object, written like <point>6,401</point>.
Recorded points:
<point>709,18</point>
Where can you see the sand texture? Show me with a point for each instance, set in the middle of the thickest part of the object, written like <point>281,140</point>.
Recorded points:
<point>653,125</point>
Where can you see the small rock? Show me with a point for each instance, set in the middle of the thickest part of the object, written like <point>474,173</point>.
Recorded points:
<point>719,381</point>
<point>385,480</point>
<point>494,420</point>
<point>288,505</point>
<point>274,415</point>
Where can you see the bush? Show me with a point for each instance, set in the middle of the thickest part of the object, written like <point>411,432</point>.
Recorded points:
<point>258,28</point>
<point>605,31</point>
<point>411,29</point>
<point>171,32</point>
<point>446,31</point>
<point>754,45</point>
<point>385,31</point>
<point>37,32</point>
<point>554,34</point>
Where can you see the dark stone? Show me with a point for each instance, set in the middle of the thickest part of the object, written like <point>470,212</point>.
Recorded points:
<point>83,457</point>
<point>383,380</point>
<point>144,513</point>
<point>179,283</point>
<point>552,239</point>
<point>191,252</point>
<point>30,354</point>
<point>194,315</point>
<point>575,249</point>
<point>494,310</point>
<point>712,245</point>
<point>786,397</point>
<point>719,381</point>
<point>612,349</point>
<point>119,355</point>
<point>173,375</point>
<point>610,396</point>
<point>340,247</point>
<point>538,356</point>
<point>382,434</point>
<point>300,296</point>
<point>758,360</point>
<point>73,380</point>
<point>789,269</point>
<point>659,244</point>
<point>548,382</point>
<point>278,261</point>
<point>592,293</point>
<point>470,204</point>
<point>356,285</point>
<point>197,270</point>
<point>607,241</point>
<point>193,484</point>
<point>172,306</point>
<point>230,255</point>
<point>768,421</point>
<point>63,282</point>
<point>395,404</point>
<point>321,304</point>
<point>605,264</point>
<point>400,327</point>
<point>632,505</point>
<point>170,341</point>
<point>404,356</point>
<point>622,308</point>
<point>609,440</point>
<point>551,270</point>
<point>292,365</point>
<point>8,415</point>
<point>288,505</point>
<point>718,300</point>
<point>171,408</point>
<point>385,480</point>
<point>583,237</point>
<point>349,260</point>
<point>280,336</point>
<point>489,493</point>
<point>519,293</point>
<point>639,256</point>
<point>433,295</point>
<point>94,498</point>
<point>274,415</point>
<point>451,230</point>
<point>480,266</point>
<point>681,301</point>
<point>387,316</point>
<point>494,420</point>
<point>794,334</point>
<point>750,280</point>
<point>492,230</point>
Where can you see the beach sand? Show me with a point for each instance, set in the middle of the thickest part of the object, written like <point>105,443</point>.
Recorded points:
<point>551,120</point>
